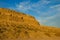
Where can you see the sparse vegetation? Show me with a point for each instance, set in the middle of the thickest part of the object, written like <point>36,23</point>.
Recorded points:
<point>21,17</point>
<point>57,34</point>
<point>0,13</point>
<point>2,30</point>
<point>47,34</point>
<point>10,14</point>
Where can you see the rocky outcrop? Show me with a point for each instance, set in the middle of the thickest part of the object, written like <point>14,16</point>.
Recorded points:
<point>19,26</point>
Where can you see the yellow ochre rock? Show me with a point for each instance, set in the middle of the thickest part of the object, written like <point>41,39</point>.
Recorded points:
<point>19,26</point>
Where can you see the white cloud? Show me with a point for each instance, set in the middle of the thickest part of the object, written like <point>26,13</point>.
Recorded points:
<point>35,7</point>
<point>45,17</point>
<point>23,6</point>
<point>52,20</point>
<point>55,6</point>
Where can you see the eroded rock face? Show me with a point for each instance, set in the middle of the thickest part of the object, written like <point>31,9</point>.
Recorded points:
<point>14,25</point>
<point>10,15</point>
<point>20,26</point>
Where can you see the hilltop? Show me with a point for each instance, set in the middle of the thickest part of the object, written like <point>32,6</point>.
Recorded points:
<point>19,26</point>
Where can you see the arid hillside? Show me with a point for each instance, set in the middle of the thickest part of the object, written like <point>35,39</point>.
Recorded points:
<point>19,26</point>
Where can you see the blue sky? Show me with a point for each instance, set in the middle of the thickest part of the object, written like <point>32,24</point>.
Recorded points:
<point>47,12</point>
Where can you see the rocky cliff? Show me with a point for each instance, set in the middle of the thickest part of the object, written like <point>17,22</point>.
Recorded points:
<point>19,26</point>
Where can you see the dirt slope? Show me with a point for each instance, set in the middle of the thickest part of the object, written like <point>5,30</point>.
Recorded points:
<point>19,26</point>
